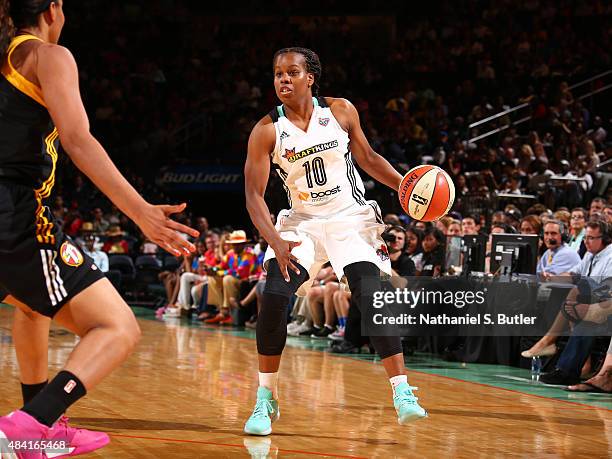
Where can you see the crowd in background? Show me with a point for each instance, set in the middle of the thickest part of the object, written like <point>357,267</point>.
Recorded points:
<point>157,98</point>
<point>418,86</point>
<point>223,282</point>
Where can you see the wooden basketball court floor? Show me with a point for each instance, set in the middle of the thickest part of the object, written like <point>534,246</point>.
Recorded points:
<point>188,390</point>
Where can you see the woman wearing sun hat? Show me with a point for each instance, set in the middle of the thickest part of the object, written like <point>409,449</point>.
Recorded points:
<point>237,266</point>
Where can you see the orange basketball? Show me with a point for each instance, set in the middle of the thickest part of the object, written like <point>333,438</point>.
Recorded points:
<point>426,193</point>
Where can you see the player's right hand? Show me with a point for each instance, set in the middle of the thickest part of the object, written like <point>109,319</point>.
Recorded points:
<point>284,257</point>
<point>155,223</point>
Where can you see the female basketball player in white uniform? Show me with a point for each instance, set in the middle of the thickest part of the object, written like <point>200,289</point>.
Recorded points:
<point>311,141</point>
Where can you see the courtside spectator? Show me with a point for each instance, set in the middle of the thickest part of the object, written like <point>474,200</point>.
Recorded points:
<point>531,224</point>
<point>237,267</point>
<point>101,225</point>
<point>559,257</point>
<point>434,244</point>
<point>592,272</point>
<point>470,225</point>
<point>578,230</point>
<point>115,241</point>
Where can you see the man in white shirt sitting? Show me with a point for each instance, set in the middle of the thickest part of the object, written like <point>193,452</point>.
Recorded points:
<point>99,257</point>
<point>594,275</point>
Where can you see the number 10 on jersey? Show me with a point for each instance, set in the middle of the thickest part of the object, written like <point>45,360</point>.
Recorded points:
<point>315,169</point>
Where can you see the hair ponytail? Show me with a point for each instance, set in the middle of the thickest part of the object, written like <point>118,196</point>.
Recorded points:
<point>7,30</point>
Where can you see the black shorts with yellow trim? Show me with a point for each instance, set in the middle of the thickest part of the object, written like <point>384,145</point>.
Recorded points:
<point>39,265</point>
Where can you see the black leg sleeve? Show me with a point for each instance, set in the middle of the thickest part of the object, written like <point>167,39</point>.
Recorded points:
<point>362,295</point>
<point>272,319</point>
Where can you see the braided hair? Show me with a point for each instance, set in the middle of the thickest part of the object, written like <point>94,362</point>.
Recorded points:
<point>313,64</point>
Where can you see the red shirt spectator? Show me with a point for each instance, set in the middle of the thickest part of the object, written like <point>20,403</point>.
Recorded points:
<point>115,242</point>
<point>240,261</point>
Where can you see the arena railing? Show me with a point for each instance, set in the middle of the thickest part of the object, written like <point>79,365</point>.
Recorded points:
<point>183,135</point>
<point>492,123</point>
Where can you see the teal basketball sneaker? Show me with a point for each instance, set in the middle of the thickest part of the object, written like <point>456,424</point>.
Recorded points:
<point>406,404</point>
<point>265,413</point>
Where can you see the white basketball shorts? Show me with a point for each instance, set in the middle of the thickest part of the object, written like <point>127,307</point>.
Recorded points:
<point>350,236</point>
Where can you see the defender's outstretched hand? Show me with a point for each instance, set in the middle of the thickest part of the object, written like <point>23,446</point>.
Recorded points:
<point>155,223</point>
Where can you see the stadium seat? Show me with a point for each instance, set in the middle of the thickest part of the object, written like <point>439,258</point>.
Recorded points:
<point>122,264</point>
<point>145,288</point>
<point>170,263</point>
<point>147,261</point>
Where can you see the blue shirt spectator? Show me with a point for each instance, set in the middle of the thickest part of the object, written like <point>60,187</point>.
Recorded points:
<point>100,258</point>
<point>559,257</point>
<point>559,260</point>
<point>598,266</point>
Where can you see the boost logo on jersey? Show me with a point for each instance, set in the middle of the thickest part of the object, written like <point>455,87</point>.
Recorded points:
<point>71,255</point>
<point>319,196</point>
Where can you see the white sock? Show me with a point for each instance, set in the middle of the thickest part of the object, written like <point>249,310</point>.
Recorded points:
<point>269,381</point>
<point>397,380</point>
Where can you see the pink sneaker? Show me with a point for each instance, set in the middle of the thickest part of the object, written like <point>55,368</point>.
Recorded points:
<point>19,426</point>
<point>80,441</point>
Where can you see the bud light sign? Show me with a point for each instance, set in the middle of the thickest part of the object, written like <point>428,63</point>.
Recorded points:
<point>201,178</point>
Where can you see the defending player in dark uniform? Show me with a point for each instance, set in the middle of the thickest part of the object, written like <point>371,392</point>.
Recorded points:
<point>42,272</point>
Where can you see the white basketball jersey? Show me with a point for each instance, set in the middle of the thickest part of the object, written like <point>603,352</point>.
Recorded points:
<point>316,166</point>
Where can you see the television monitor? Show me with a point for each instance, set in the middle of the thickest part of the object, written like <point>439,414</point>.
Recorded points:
<point>453,255</point>
<point>514,254</point>
<point>473,249</point>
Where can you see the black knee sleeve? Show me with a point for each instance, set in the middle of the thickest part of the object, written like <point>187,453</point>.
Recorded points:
<point>276,283</point>
<point>272,324</point>
<point>364,279</point>
<point>386,346</point>
<point>272,319</point>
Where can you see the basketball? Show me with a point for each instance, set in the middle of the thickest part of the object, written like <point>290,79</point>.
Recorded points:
<point>426,193</point>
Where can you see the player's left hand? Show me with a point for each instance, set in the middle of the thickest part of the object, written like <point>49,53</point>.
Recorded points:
<point>284,257</point>
<point>155,223</point>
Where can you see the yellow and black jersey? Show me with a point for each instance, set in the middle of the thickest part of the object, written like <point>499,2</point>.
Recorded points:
<point>28,138</point>
<point>39,264</point>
